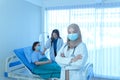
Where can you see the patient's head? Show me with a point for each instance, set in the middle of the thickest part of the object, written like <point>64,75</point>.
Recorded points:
<point>36,46</point>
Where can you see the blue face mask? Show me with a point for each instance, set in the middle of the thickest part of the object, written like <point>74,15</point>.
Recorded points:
<point>38,48</point>
<point>72,36</point>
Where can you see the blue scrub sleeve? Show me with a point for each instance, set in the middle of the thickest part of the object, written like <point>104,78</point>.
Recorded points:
<point>34,58</point>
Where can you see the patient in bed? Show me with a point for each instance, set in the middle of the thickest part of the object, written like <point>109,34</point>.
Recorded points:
<point>44,67</point>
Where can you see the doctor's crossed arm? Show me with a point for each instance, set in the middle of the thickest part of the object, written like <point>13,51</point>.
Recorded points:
<point>74,59</point>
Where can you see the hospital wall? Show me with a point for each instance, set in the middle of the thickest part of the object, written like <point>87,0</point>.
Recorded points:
<point>59,3</point>
<point>20,26</point>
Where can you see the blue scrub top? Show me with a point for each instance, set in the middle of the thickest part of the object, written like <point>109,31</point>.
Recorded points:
<point>36,56</point>
<point>55,46</point>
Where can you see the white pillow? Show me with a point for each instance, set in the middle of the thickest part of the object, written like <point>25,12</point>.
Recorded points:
<point>28,53</point>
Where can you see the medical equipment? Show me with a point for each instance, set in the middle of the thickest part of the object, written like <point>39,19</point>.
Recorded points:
<point>17,66</point>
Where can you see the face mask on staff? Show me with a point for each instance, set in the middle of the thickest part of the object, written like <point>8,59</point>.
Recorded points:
<point>73,36</point>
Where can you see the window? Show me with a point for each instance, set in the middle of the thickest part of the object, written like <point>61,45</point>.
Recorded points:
<point>100,28</point>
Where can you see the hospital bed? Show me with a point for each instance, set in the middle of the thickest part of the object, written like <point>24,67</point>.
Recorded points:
<point>17,66</point>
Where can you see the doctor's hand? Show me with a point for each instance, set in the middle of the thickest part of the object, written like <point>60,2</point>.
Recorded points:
<point>43,53</point>
<point>62,55</point>
<point>76,58</point>
<point>49,61</point>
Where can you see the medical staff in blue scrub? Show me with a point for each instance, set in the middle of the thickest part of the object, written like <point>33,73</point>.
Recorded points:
<point>72,55</point>
<point>44,67</point>
<point>54,44</point>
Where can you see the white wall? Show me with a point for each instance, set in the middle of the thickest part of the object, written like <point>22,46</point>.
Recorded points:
<point>54,3</point>
<point>36,2</point>
<point>20,25</point>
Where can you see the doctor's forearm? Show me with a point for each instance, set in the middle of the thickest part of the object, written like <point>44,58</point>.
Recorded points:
<point>44,50</point>
<point>43,62</point>
<point>63,60</point>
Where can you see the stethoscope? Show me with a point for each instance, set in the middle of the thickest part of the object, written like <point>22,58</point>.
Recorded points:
<point>72,55</point>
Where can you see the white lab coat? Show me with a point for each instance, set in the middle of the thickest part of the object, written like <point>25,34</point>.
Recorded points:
<point>51,49</point>
<point>64,62</point>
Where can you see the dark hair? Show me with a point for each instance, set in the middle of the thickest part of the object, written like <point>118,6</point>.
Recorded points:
<point>54,31</point>
<point>34,44</point>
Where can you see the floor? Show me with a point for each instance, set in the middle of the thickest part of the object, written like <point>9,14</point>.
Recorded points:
<point>3,78</point>
<point>7,78</point>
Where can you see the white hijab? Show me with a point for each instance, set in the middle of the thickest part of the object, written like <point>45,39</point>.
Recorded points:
<point>76,28</point>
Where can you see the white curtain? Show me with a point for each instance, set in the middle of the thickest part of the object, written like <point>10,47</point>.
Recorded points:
<point>100,27</point>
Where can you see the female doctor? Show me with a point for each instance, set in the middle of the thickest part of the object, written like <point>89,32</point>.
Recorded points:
<point>73,55</point>
<point>54,44</point>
